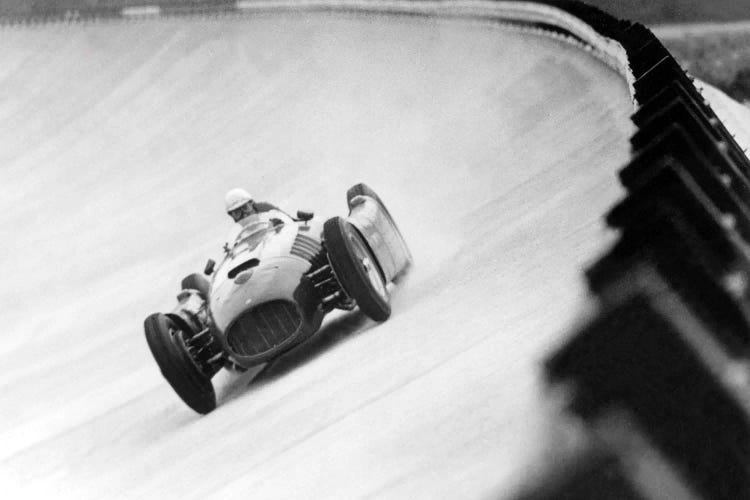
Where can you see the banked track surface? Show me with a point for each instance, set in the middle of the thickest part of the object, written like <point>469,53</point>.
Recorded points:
<point>495,148</point>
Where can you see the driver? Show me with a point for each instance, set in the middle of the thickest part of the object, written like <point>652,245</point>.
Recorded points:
<point>241,207</point>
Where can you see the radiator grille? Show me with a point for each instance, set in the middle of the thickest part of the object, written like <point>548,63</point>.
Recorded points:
<point>263,328</point>
<point>305,247</point>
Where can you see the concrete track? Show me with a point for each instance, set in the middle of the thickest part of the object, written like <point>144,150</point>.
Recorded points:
<point>495,149</point>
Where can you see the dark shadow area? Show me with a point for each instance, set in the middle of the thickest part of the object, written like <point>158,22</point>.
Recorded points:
<point>332,332</point>
<point>335,329</point>
<point>329,335</point>
<point>593,478</point>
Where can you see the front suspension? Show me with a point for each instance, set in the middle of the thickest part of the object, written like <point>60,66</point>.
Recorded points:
<point>328,290</point>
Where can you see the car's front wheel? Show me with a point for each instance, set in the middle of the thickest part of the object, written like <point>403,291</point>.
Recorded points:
<point>167,344</point>
<point>356,269</point>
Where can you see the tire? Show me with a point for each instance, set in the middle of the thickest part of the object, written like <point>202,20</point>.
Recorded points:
<point>196,281</point>
<point>356,268</point>
<point>168,348</point>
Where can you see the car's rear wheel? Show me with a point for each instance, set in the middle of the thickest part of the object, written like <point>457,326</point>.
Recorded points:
<point>356,268</point>
<point>167,344</point>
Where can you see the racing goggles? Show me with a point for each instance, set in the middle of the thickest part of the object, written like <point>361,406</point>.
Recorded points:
<point>240,213</point>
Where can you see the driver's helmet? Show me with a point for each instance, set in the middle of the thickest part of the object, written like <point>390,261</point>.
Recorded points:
<point>238,203</point>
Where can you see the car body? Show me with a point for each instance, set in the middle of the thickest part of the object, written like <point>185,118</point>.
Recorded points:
<point>277,281</point>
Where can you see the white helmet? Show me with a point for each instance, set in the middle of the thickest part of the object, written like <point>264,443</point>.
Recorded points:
<point>235,198</point>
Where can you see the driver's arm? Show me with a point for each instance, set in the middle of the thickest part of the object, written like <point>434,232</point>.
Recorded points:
<point>263,206</point>
<point>272,213</point>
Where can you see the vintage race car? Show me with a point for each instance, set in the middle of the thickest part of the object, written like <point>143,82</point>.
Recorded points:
<point>276,282</point>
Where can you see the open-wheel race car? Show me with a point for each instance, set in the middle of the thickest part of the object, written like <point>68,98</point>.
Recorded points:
<point>271,291</point>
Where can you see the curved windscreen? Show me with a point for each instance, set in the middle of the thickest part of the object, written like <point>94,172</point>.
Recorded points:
<point>250,237</point>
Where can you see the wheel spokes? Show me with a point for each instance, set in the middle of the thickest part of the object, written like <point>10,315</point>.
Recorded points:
<point>373,273</point>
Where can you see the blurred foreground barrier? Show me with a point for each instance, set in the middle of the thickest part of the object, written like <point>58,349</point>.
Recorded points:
<point>661,374</point>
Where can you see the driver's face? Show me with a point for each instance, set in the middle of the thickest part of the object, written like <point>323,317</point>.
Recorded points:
<point>241,212</point>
